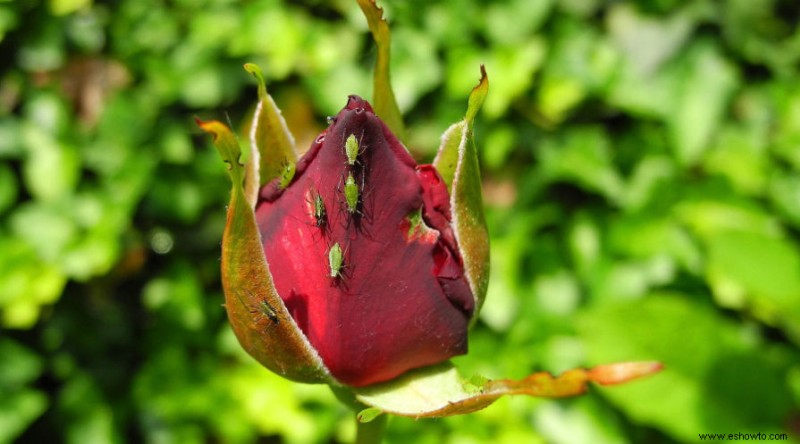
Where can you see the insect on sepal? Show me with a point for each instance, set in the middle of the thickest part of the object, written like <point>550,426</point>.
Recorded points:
<point>286,174</point>
<point>266,310</point>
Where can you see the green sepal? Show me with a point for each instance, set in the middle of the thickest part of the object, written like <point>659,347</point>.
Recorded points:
<point>383,100</point>
<point>457,163</point>
<point>273,143</point>
<point>438,391</point>
<point>263,326</point>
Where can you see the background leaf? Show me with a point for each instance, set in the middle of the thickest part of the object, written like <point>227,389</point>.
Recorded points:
<point>711,367</point>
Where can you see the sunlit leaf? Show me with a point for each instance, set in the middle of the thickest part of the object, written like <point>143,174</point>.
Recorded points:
<point>710,366</point>
<point>27,283</point>
<point>706,82</point>
<point>770,290</point>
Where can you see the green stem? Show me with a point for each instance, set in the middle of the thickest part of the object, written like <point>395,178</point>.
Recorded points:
<point>370,432</point>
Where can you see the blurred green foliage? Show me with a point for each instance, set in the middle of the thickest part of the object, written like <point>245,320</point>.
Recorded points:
<point>642,182</point>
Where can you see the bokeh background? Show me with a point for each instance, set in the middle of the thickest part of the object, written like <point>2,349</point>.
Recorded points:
<point>641,165</point>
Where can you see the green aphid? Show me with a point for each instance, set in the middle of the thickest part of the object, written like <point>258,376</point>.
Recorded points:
<point>268,311</point>
<point>351,149</point>
<point>286,174</point>
<point>265,309</point>
<point>335,260</point>
<point>351,193</point>
<point>318,209</point>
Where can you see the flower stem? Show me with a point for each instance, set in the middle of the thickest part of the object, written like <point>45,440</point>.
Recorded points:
<point>370,432</point>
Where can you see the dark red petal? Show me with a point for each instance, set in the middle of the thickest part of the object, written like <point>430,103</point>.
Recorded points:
<point>402,301</point>
<point>449,268</point>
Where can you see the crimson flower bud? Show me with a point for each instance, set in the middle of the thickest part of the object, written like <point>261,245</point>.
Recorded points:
<point>355,266</point>
<point>362,252</point>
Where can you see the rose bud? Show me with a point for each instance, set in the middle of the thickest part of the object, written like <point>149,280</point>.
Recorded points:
<point>352,252</point>
<point>363,255</point>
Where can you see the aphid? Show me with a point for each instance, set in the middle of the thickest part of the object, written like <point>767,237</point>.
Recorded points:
<point>318,209</point>
<point>351,193</point>
<point>268,311</point>
<point>336,260</point>
<point>351,149</point>
<point>286,174</point>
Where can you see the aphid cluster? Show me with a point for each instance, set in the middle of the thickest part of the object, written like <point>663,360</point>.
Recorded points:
<point>350,190</point>
<point>319,215</point>
<point>353,168</point>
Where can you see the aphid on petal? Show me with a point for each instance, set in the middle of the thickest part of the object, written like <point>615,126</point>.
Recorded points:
<point>318,209</point>
<point>335,260</point>
<point>351,193</point>
<point>351,149</point>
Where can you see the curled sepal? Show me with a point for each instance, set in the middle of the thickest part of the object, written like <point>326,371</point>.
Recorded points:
<point>457,163</point>
<point>263,326</point>
<point>271,143</point>
<point>383,99</point>
<point>439,391</point>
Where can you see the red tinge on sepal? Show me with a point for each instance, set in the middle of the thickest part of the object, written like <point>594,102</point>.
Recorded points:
<point>620,372</point>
